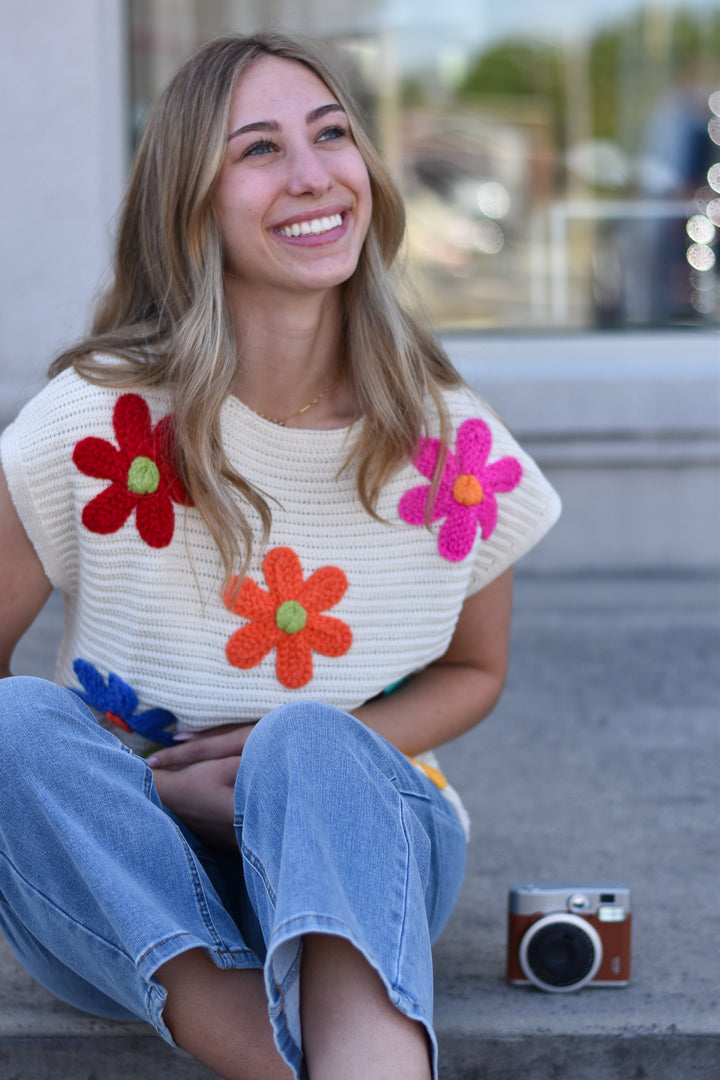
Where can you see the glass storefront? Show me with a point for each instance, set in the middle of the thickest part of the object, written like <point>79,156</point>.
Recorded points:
<point>560,163</point>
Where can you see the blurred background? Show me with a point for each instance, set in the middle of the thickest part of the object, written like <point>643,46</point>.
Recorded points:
<point>561,167</point>
<point>557,159</point>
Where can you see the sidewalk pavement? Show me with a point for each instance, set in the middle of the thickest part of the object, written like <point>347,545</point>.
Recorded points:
<point>600,762</point>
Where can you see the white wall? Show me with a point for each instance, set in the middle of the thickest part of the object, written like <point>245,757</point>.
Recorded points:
<point>63,131</point>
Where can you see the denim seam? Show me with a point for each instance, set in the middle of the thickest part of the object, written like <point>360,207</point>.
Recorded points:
<point>149,782</point>
<point>200,898</point>
<point>220,950</point>
<point>401,935</point>
<point>155,992</point>
<point>350,936</point>
<point>449,816</point>
<point>403,789</point>
<point>64,914</point>
<point>217,942</point>
<point>259,869</point>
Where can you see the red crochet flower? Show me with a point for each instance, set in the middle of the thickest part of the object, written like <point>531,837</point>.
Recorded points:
<point>143,478</point>
<point>466,495</point>
<point>288,618</point>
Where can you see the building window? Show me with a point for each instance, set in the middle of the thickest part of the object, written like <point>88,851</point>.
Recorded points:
<point>560,163</point>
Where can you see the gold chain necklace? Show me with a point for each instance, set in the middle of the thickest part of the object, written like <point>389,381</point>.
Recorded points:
<point>282,423</point>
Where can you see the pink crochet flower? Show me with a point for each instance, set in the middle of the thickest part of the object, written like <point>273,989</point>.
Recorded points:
<point>466,495</point>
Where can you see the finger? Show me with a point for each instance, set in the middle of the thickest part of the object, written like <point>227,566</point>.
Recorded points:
<point>200,793</point>
<point>202,749</point>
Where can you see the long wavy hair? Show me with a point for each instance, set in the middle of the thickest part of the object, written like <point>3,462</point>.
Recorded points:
<point>164,319</point>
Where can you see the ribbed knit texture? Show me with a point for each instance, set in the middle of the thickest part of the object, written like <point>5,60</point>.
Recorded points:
<point>155,615</point>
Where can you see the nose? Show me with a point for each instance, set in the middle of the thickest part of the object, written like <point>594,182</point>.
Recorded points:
<point>308,174</point>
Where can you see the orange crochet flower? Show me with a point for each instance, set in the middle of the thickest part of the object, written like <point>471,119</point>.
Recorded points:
<point>288,618</point>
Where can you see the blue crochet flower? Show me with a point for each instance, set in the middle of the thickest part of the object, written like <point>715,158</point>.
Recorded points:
<point>118,702</point>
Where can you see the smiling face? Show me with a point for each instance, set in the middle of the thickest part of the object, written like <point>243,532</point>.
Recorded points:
<point>293,198</point>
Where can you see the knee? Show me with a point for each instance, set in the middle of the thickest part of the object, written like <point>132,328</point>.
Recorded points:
<point>31,717</point>
<point>303,731</point>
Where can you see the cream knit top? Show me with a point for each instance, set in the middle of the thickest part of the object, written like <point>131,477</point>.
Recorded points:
<point>337,608</point>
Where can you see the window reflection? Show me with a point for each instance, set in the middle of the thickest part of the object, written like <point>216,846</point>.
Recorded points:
<point>561,167</point>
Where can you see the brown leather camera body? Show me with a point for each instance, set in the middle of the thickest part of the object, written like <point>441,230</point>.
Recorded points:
<point>614,967</point>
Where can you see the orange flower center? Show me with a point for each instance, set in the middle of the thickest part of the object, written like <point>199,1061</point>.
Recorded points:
<point>291,617</point>
<point>143,477</point>
<point>467,490</point>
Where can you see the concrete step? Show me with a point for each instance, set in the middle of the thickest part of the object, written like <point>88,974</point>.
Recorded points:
<point>601,762</point>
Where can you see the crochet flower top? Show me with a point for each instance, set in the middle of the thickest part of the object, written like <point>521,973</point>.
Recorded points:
<point>337,608</point>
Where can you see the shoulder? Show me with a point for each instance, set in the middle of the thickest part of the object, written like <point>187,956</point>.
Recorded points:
<point>70,405</point>
<point>471,420</point>
<point>45,424</point>
<point>65,391</point>
<point>64,447</point>
<point>69,410</point>
<point>462,403</point>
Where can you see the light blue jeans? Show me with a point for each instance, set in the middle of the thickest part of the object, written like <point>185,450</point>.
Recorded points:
<point>100,885</point>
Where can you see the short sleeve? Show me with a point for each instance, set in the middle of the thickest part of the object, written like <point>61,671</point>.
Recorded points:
<point>496,496</point>
<point>36,454</point>
<point>524,516</point>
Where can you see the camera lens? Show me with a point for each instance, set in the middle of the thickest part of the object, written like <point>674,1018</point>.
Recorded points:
<point>560,952</point>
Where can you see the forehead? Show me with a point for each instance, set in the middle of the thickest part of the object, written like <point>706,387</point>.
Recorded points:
<point>272,86</point>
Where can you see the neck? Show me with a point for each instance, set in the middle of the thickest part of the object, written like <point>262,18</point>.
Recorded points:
<point>290,353</point>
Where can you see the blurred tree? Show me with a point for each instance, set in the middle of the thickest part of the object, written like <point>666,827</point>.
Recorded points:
<point>628,63</point>
<point>517,68</point>
<point>604,61</point>
<point>696,45</point>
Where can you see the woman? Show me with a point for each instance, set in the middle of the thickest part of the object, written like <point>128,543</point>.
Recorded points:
<point>284,530</point>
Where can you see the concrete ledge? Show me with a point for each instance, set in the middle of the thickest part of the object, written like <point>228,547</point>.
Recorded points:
<point>584,1057</point>
<point>666,382</point>
<point>625,516</point>
<point>590,1057</point>
<point>123,1057</point>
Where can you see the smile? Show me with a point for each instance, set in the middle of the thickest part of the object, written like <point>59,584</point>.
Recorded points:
<point>312,228</point>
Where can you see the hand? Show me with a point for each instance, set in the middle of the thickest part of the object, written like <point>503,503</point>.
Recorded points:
<point>222,742</point>
<point>196,781</point>
<point>202,796</point>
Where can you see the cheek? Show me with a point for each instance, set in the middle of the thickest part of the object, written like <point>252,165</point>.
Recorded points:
<point>236,212</point>
<point>236,202</point>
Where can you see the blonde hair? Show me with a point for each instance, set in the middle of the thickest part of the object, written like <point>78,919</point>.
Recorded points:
<point>164,318</point>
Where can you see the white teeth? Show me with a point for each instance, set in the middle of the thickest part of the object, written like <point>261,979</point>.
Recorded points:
<point>312,228</point>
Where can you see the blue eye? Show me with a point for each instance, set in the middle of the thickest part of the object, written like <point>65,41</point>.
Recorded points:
<point>263,146</point>
<point>335,132</point>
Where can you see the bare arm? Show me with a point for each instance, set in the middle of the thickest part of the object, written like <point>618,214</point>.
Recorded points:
<point>456,692</point>
<point>24,588</point>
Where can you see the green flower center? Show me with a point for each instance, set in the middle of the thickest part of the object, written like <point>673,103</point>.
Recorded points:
<point>291,617</point>
<point>143,477</point>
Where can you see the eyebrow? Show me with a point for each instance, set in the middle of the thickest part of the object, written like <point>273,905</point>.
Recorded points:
<point>272,125</point>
